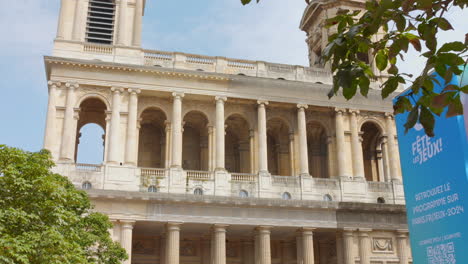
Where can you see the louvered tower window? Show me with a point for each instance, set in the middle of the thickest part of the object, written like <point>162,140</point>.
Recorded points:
<point>100,24</point>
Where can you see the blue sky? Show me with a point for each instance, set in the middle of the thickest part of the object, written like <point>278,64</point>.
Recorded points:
<point>268,31</point>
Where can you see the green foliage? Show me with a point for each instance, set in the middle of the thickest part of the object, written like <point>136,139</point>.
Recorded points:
<point>44,219</point>
<point>385,30</point>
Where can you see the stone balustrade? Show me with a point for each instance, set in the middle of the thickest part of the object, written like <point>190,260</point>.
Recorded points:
<point>112,177</point>
<point>176,60</point>
<point>243,177</point>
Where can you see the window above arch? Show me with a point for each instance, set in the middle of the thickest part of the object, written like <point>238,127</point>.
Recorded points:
<point>243,194</point>
<point>86,185</point>
<point>286,196</point>
<point>198,191</point>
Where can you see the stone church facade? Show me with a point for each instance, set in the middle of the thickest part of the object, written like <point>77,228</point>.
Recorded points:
<point>220,160</point>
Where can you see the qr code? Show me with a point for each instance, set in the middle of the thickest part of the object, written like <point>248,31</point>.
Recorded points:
<point>442,254</point>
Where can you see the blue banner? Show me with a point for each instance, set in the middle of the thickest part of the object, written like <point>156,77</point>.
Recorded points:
<point>435,175</point>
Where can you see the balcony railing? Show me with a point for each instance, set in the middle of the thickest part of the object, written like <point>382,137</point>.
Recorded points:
<point>243,177</point>
<point>88,167</point>
<point>199,175</point>
<point>153,172</point>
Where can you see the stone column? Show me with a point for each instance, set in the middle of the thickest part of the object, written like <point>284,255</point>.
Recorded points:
<point>392,151</point>
<point>68,133</point>
<point>308,245</point>
<point>385,162</point>
<point>264,247</point>
<point>177,130</point>
<point>114,133</point>
<point>131,147</point>
<point>302,131</point>
<point>262,137</point>
<point>77,23</point>
<point>126,239</point>
<point>211,150</point>
<point>220,133</point>
<point>122,25</point>
<point>65,24</point>
<point>348,242</point>
<point>339,248</point>
<point>292,157</point>
<point>356,146</point>
<point>340,142</point>
<point>252,150</point>
<point>50,134</point>
<point>402,238</point>
<point>219,235</point>
<point>137,23</point>
<point>364,245</point>
<point>172,243</point>
<point>168,145</point>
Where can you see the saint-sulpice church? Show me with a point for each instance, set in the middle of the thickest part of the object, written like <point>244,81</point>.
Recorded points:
<point>223,160</point>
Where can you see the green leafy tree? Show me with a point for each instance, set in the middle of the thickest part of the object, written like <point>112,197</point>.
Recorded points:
<point>44,219</point>
<point>387,29</point>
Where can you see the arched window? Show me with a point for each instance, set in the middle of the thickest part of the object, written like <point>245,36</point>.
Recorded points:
<point>91,132</point>
<point>237,146</point>
<point>286,196</point>
<point>372,151</point>
<point>278,145</point>
<point>317,148</point>
<point>327,198</point>
<point>152,139</point>
<point>195,142</point>
<point>86,185</point>
<point>243,194</point>
<point>152,189</point>
<point>198,191</point>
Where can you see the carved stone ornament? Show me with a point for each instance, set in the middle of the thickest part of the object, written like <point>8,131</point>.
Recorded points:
<point>383,244</point>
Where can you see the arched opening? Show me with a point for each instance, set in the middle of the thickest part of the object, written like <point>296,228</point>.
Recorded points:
<point>372,151</point>
<point>317,148</point>
<point>91,132</point>
<point>286,196</point>
<point>195,142</point>
<point>278,146</point>
<point>152,139</point>
<point>243,194</point>
<point>237,144</point>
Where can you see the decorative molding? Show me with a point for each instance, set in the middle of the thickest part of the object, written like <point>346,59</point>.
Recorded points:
<point>382,245</point>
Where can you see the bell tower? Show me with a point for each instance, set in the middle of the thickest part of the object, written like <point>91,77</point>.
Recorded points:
<point>313,23</point>
<point>106,25</point>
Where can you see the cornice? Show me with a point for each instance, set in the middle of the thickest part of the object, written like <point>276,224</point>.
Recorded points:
<point>132,68</point>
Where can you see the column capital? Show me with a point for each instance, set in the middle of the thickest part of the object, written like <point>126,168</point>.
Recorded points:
<point>339,111</point>
<point>127,224</point>
<point>349,230</point>
<point>302,106</point>
<point>402,233</point>
<point>364,232</point>
<point>389,116</point>
<point>117,90</point>
<point>329,140</point>
<point>221,99</point>
<point>219,228</point>
<point>134,91</point>
<point>177,95</point>
<point>307,230</point>
<point>263,229</point>
<point>72,86</point>
<point>354,112</point>
<point>54,84</point>
<point>173,226</point>
<point>262,102</point>
<point>251,133</point>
